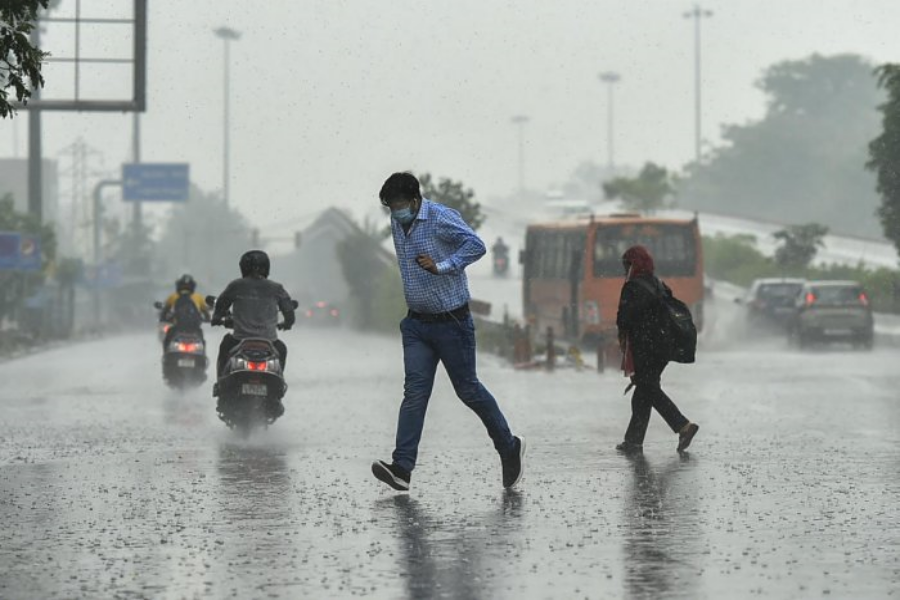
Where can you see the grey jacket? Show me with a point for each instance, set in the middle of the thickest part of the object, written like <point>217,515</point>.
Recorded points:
<point>254,304</point>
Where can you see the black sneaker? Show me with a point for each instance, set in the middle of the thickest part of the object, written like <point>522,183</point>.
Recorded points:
<point>514,464</point>
<point>395,476</point>
<point>685,436</point>
<point>629,448</point>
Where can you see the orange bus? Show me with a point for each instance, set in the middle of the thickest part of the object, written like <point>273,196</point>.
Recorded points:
<point>572,271</point>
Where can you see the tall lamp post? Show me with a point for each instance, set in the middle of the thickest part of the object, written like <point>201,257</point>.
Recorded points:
<point>697,13</point>
<point>520,121</point>
<point>610,78</point>
<point>227,35</point>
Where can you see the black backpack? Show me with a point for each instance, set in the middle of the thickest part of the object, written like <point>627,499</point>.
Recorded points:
<point>185,313</point>
<point>678,332</point>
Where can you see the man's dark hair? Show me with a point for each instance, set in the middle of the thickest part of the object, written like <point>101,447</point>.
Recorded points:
<point>400,186</point>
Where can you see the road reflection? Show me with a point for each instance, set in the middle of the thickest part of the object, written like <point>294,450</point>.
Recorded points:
<point>185,410</point>
<point>255,482</point>
<point>450,556</point>
<point>662,529</point>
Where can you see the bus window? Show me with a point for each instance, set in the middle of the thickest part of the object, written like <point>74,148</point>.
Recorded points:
<point>672,247</point>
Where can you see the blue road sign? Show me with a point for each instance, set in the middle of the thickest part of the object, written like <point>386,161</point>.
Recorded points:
<point>155,182</point>
<point>19,252</point>
<point>30,253</point>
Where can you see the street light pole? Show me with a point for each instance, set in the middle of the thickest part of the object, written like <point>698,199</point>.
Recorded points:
<point>227,35</point>
<point>610,78</point>
<point>520,121</point>
<point>697,14</point>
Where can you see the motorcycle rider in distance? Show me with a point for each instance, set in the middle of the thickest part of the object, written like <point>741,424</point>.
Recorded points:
<point>185,309</point>
<point>254,301</point>
<point>500,252</point>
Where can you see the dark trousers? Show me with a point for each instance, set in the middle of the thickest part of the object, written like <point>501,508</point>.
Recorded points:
<point>228,344</point>
<point>648,395</point>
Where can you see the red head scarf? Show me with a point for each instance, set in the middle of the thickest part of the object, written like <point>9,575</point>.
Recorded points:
<point>639,260</point>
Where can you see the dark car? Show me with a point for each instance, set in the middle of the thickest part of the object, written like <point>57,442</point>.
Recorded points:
<point>322,313</point>
<point>770,302</point>
<point>833,311</point>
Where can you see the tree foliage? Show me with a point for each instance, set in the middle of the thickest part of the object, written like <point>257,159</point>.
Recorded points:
<point>205,238</point>
<point>884,154</point>
<point>736,259</point>
<point>799,244</point>
<point>805,158</point>
<point>375,288</point>
<point>20,61</point>
<point>644,193</point>
<point>455,195</point>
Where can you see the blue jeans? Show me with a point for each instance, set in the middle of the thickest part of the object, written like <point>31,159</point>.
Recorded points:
<point>452,343</point>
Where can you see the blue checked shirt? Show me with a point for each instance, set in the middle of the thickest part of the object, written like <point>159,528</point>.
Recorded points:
<point>441,233</point>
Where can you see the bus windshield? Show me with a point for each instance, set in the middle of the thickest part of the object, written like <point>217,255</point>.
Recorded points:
<point>673,246</point>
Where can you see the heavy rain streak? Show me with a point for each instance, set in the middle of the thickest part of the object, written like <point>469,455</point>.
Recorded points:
<point>501,300</point>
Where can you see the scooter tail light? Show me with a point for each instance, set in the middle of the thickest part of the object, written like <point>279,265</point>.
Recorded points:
<point>257,366</point>
<point>810,298</point>
<point>863,299</point>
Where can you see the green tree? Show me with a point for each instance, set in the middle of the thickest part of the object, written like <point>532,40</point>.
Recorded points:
<point>375,287</point>
<point>799,244</point>
<point>455,195</point>
<point>884,154</point>
<point>644,193</point>
<point>20,61</point>
<point>805,159</point>
<point>133,247</point>
<point>205,238</point>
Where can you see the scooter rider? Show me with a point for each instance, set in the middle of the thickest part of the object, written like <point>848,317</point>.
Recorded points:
<point>254,301</point>
<point>184,309</point>
<point>500,249</point>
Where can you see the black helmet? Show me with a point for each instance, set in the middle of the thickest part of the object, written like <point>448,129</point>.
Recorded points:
<point>185,283</point>
<point>255,262</point>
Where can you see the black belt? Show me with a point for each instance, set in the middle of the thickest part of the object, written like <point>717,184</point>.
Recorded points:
<point>456,314</point>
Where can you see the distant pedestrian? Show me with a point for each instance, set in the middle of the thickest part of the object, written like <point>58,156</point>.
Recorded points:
<point>434,246</point>
<point>643,356</point>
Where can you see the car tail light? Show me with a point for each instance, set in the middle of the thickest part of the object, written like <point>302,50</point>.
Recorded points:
<point>256,366</point>
<point>334,312</point>
<point>863,299</point>
<point>591,313</point>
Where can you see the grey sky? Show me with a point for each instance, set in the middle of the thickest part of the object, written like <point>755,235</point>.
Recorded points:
<point>330,96</point>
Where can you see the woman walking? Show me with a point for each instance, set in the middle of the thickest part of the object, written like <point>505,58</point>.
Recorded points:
<point>644,358</point>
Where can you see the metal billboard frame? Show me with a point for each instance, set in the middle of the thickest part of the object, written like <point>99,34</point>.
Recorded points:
<point>138,102</point>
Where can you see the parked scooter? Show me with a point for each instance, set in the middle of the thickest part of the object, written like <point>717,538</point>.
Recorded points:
<point>251,386</point>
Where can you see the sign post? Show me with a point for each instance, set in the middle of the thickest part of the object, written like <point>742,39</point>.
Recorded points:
<point>155,182</point>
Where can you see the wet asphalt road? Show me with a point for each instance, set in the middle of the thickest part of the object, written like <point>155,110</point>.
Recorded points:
<point>112,486</point>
